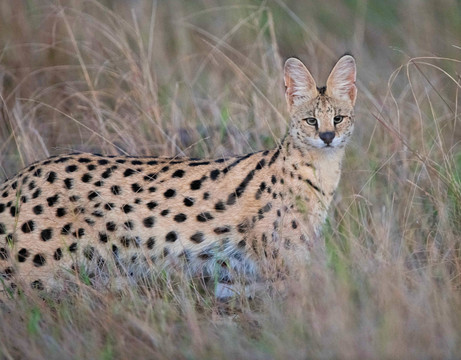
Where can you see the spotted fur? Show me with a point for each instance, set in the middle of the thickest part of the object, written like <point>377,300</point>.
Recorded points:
<point>242,216</point>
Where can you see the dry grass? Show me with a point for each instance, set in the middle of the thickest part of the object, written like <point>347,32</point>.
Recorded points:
<point>204,79</point>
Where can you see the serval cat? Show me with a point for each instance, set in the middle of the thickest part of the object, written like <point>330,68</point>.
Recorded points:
<point>228,218</point>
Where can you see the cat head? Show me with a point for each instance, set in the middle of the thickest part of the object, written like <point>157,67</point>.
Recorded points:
<point>321,118</point>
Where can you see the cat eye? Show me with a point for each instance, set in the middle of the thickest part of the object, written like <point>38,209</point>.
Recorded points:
<point>311,121</point>
<point>338,119</point>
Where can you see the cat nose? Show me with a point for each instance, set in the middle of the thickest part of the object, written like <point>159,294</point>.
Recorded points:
<point>327,137</point>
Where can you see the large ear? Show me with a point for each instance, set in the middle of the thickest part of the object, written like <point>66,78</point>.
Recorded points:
<point>300,84</point>
<point>341,82</point>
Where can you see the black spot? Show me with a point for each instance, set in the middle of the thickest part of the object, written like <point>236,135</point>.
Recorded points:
<point>165,212</point>
<point>90,222</point>
<point>127,208</point>
<point>214,174</point>
<point>69,183</point>
<point>227,168</point>
<point>60,212</point>
<point>74,198</point>
<point>2,208</point>
<point>79,233</point>
<point>231,199</point>
<point>152,189</point>
<point>150,177</point>
<point>274,157</point>
<point>116,190</point>
<point>204,216</point>
<point>99,183</point>
<point>24,199</point>
<point>52,200</point>
<point>37,209</point>
<point>103,162</point>
<point>51,177</point>
<point>39,260</point>
<point>79,210</point>
<point>115,250</point>
<point>149,222</point>
<point>28,226</point>
<point>120,161</point>
<point>150,242</point>
<point>243,227</point>
<point>151,205</point>
<point>84,160</point>
<point>129,172</point>
<point>138,201</point>
<point>11,239</point>
<point>111,226</point>
<point>136,188</point>
<point>97,213</point>
<point>316,188</point>
<point>188,201</point>
<point>4,253</point>
<point>206,196</point>
<point>5,194</point>
<point>219,206</point>
<point>66,229</point>
<point>109,206</point>
<point>294,224</point>
<point>36,193</point>
<point>137,162</point>
<point>92,195</point>
<point>205,255</point>
<point>103,237</point>
<point>128,225</point>
<point>38,172</point>
<point>178,173</point>
<point>197,184</point>
<point>241,188</point>
<point>171,236</point>
<point>13,211</point>
<point>180,217</point>
<point>32,185</point>
<point>222,230</point>
<point>57,254</point>
<point>108,172</point>
<point>91,167</point>
<point>46,234</point>
<point>166,252</point>
<point>125,241</point>
<point>23,254</point>
<point>260,164</point>
<point>37,285</point>
<point>71,168</point>
<point>169,193</point>
<point>88,252</point>
<point>198,237</point>
<point>273,179</point>
<point>61,160</point>
<point>152,162</point>
<point>73,247</point>
<point>262,186</point>
<point>14,185</point>
<point>165,168</point>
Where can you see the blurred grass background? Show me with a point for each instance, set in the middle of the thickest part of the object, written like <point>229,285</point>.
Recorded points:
<point>204,79</point>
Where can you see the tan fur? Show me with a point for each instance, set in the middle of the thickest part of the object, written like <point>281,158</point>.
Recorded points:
<point>244,216</point>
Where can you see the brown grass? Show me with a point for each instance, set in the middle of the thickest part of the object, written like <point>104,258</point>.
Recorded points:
<point>204,79</point>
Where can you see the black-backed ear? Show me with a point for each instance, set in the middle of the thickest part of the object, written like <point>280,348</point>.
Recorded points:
<point>300,85</point>
<point>341,82</point>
